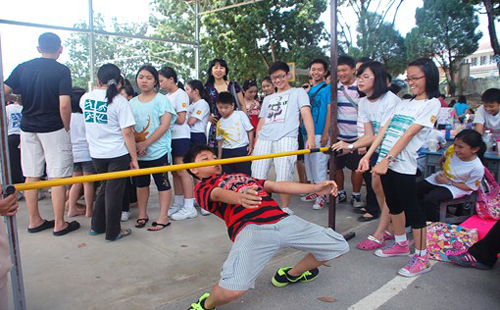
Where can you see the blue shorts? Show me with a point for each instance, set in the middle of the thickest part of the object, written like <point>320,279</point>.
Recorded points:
<point>198,138</point>
<point>243,167</point>
<point>180,147</point>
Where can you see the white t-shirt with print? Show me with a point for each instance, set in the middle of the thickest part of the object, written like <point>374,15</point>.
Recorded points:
<point>180,101</point>
<point>79,142</point>
<point>201,111</point>
<point>233,131</point>
<point>468,172</point>
<point>407,113</point>
<point>490,122</point>
<point>282,114</point>
<point>14,114</point>
<point>378,112</point>
<point>104,123</point>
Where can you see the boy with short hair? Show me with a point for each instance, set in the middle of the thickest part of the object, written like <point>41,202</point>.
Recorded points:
<point>259,228</point>
<point>234,134</point>
<point>487,116</point>
<point>278,128</point>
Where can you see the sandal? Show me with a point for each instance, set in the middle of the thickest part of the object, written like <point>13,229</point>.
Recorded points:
<point>359,210</point>
<point>156,224</point>
<point>45,225</point>
<point>123,233</point>
<point>72,226</point>
<point>370,243</point>
<point>142,223</point>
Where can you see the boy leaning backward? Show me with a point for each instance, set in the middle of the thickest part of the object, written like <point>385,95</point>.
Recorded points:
<point>259,228</point>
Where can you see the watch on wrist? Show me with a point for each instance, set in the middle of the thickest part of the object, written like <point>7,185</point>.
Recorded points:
<point>391,159</point>
<point>350,147</point>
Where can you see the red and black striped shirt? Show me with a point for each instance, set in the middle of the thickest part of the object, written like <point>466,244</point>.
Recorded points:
<point>236,216</point>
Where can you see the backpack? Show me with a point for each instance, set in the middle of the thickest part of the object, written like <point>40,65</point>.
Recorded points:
<point>488,202</point>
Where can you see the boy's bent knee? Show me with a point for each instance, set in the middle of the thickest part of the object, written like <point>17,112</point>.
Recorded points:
<point>230,294</point>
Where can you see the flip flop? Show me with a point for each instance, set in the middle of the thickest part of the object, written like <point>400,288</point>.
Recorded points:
<point>94,233</point>
<point>367,219</point>
<point>154,224</point>
<point>141,225</point>
<point>359,210</point>
<point>71,227</point>
<point>123,233</point>
<point>46,225</point>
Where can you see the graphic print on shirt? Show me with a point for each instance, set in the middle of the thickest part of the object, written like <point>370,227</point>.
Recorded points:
<point>399,124</point>
<point>240,183</point>
<point>143,134</point>
<point>227,134</point>
<point>96,111</point>
<point>15,119</point>
<point>276,110</point>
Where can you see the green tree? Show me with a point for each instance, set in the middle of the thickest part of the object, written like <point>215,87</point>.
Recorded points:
<point>446,31</point>
<point>384,44</point>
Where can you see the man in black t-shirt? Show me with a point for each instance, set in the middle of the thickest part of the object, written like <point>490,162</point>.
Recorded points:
<point>45,86</point>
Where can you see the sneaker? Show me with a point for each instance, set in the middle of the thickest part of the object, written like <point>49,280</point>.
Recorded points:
<point>417,265</point>
<point>204,212</point>
<point>185,214</point>
<point>125,216</point>
<point>282,278</point>
<point>320,202</point>
<point>288,210</point>
<point>356,201</point>
<point>467,260</point>
<point>397,249</point>
<point>174,209</point>
<point>310,197</point>
<point>41,194</point>
<point>388,235</point>
<point>341,197</point>
<point>199,304</point>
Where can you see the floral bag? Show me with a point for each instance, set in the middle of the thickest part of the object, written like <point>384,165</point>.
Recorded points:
<point>446,239</point>
<point>488,202</point>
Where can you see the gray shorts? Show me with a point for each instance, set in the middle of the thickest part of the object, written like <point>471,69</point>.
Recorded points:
<point>255,245</point>
<point>85,166</point>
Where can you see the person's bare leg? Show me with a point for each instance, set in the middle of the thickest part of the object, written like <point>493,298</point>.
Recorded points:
<point>419,235</point>
<point>285,200</point>
<point>220,296</point>
<point>357,181</point>
<point>165,199</point>
<point>399,221</point>
<point>178,190</point>
<point>301,170</point>
<point>58,202</point>
<point>89,194</point>
<point>186,180</point>
<point>31,196</point>
<point>305,264</point>
<point>142,201</point>
<point>74,195</point>
<point>339,179</point>
<point>385,218</point>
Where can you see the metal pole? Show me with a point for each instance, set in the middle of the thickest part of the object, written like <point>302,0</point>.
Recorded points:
<point>197,38</point>
<point>333,104</point>
<point>91,46</point>
<point>15,253</point>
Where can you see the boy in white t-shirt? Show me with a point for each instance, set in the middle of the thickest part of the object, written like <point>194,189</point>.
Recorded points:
<point>14,114</point>
<point>487,116</point>
<point>234,134</point>
<point>278,127</point>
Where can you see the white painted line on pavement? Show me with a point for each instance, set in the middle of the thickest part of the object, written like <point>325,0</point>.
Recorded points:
<point>385,293</point>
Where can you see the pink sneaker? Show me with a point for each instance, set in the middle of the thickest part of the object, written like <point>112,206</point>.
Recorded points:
<point>417,265</point>
<point>370,243</point>
<point>388,235</point>
<point>310,197</point>
<point>397,249</point>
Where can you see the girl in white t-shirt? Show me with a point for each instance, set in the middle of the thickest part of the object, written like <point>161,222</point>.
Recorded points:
<point>109,130</point>
<point>399,140</point>
<point>461,175</point>
<point>198,112</point>
<point>181,141</point>
<point>375,109</point>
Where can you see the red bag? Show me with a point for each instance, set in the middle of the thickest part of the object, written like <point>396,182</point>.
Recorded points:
<point>488,202</point>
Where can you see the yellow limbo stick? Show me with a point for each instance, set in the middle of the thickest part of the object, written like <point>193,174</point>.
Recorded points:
<point>131,173</point>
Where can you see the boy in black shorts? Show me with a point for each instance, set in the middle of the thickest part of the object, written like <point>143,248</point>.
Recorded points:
<point>259,228</point>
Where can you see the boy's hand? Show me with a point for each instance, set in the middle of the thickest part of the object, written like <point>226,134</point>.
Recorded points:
<point>250,149</point>
<point>250,199</point>
<point>324,140</point>
<point>310,143</point>
<point>326,187</point>
<point>8,205</point>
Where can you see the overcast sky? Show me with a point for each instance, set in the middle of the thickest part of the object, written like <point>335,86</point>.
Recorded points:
<point>19,43</point>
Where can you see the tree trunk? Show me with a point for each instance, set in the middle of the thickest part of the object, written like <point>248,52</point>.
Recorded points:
<point>271,44</point>
<point>491,29</point>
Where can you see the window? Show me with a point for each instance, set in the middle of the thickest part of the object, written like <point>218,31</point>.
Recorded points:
<point>492,59</point>
<point>473,62</point>
<point>482,61</point>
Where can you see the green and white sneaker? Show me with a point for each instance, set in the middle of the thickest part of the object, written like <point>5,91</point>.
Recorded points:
<point>199,305</point>
<point>282,278</point>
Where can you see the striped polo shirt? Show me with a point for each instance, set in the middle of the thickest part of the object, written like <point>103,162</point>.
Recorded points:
<point>236,216</point>
<point>347,115</point>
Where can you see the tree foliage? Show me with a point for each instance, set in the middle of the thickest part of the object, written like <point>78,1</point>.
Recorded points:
<point>446,31</point>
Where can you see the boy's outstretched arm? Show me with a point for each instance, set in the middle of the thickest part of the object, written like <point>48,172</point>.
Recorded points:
<point>248,199</point>
<point>323,188</point>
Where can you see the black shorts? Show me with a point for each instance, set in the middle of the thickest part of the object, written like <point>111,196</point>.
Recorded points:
<point>198,138</point>
<point>243,167</point>
<point>301,145</point>
<point>161,179</point>
<point>180,147</point>
<point>349,161</point>
<point>84,166</point>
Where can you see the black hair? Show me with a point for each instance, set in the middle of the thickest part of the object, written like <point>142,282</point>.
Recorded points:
<point>267,79</point>
<point>452,103</point>
<point>389,77</point>
<point>395,88</point>
<point>473,139</point>
<point>196,84</point>
<point>491,95</point>
<point>380,78</point>
<point>365,60</point>
<point>110,75</point>
<point>278,65</point>
<point>346,60</point>
<point>129,90</point>
<point>462,99</point>
<point>431,73</point>
<point>222,63</point>
<point>151,70</point>
<point>407,96</point>
<point>471,111</point>
<point>168,73</point>
<point>226,97</point>
<point>328,73</point>
<point>76,94</point>
<point>49,42</point>
<point>191,154</point>
<point>442,95</point>
<point>319,61</point>
<point>249,83</point>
